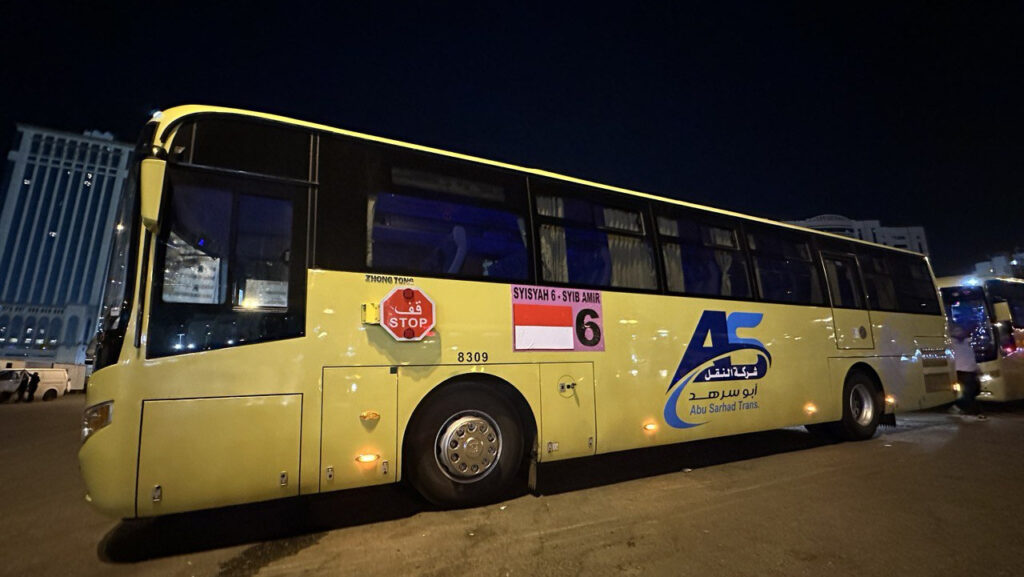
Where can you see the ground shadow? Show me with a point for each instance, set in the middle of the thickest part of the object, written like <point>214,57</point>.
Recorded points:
<point>134,540</point>
<point>576,474</point>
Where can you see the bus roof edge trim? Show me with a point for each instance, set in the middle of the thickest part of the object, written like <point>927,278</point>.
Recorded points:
<point>175,114</point>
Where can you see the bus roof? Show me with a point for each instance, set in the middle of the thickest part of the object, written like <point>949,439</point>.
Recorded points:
<point>172,116</point>
<point>973,280</point>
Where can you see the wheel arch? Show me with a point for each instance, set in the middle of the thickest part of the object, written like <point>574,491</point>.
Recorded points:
<point>870,372</point>
<point>493,384</point>
<point>888,416</point>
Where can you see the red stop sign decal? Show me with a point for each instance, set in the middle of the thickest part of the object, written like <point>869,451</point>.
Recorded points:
<point>407,314</point>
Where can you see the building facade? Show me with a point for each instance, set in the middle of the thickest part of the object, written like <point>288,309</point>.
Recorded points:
<point>1009,264</point>
<point>908,237</point>
<point>56,222</point>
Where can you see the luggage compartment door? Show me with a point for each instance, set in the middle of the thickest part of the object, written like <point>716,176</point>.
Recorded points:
<point>359,438</point>
<point>567,411</point>
<point>203,453</point>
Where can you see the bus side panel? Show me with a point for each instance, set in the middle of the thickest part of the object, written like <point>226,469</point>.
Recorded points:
<point>1002,379</point>
<point>639,378</point>
<point>203,453</point>
<point>915,365</point>
<point>908,379</point>
<point>934,371</point>
<point>359,411</point>
<point>1013,373</point>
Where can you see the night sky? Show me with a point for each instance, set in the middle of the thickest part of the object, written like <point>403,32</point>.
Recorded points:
<point>911,115</point>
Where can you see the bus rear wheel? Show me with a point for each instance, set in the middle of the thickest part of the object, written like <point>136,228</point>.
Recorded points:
<point>464,447</point>
<point>862,408</point>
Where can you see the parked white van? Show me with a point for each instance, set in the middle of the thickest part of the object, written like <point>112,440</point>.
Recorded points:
<point>53,383</point>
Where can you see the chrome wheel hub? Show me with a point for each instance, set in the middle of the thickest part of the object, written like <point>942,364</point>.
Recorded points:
<point>468,446</point>
<point>862,405</point>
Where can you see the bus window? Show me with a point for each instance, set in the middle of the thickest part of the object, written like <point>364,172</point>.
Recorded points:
<point>248,146</point>
<point>262,253</point>
<point>843,282</point>
<point>437,237</point>
<point>590,244</point>
<point>1017,312</point>
<point>784,268</point>
<point>197,245</point>
<point>880,288</point>
<point>1013,293</point>
<point>915,290</point>
<point>702,259</point>
<point>232,254</point>
<point>397,211</point>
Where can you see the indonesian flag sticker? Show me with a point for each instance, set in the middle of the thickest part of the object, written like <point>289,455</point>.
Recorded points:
<point>556,319</point>
<point>545,327</point>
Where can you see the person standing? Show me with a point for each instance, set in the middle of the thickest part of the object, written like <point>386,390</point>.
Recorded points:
<point>33,384</point>
<point>966,371</point>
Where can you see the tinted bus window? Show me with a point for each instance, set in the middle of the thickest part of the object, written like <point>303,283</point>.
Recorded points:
<point>784,268</point>
<point>590,243</point>
<point>915,289</point>
<point>225,142</point>
<point>878,282</point>
<point>843,281</point>
<point>703,259</point>
<point>398,211</point>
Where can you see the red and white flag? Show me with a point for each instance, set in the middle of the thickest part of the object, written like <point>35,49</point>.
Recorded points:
<point>542,327</point>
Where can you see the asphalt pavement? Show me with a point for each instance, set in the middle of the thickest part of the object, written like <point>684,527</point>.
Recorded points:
<point>937,495</point>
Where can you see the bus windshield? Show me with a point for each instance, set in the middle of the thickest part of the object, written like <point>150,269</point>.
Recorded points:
<point>965,307</point>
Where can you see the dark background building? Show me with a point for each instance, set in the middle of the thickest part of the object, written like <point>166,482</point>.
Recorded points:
<point>908,237</point>
<point>56,225</point>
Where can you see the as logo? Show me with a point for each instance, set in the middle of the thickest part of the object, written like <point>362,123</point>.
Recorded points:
<point>709,359</point>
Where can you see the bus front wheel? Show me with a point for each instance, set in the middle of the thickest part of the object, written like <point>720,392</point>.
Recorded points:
<point>464,447</point>
<point>862,408</point>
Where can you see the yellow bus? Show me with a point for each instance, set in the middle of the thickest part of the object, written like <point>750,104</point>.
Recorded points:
<point>296,309</point>
<point>991,310</point>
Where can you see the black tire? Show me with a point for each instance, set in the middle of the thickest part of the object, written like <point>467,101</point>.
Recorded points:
<point>862,408</point>
<point>49,395</point>
<point>489,448</point>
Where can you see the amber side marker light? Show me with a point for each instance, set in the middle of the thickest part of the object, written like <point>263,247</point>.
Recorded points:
<point>890,400</point>
<point>810,408</point>
<point>367,458</point>
<point>956,387</point>
<point>651,427</point>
